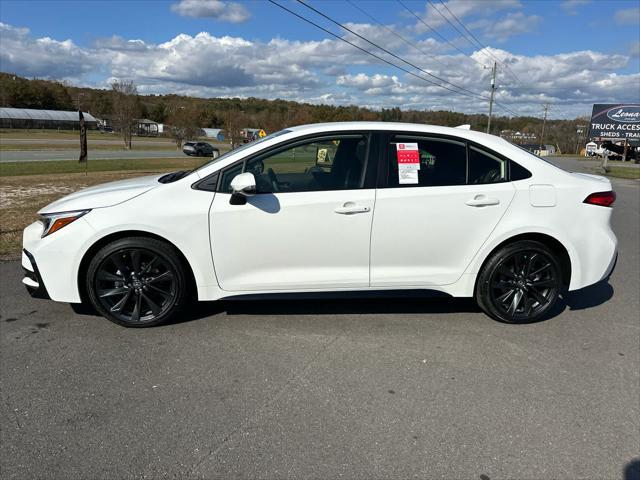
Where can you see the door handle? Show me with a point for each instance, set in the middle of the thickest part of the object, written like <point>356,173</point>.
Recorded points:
<point>482,201</point>
<point>349,208</point>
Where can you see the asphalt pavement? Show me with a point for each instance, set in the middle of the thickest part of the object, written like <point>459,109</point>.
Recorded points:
<point>73,154</point>
<point>345,388</point>
<point>72,142</point>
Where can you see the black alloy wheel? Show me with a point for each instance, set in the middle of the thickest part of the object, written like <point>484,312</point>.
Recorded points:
<point>136,282</point>
<point>520,283</point>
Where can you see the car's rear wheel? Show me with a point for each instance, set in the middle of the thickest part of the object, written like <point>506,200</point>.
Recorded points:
<point>519,283</point>
<point>136,282</point>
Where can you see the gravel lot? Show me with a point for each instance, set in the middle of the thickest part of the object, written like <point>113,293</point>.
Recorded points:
<point>344,388</point>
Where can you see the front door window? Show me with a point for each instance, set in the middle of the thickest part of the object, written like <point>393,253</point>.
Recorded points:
<point>335,163</point>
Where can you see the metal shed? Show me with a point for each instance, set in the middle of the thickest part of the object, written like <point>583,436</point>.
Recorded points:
<point>32,118</point>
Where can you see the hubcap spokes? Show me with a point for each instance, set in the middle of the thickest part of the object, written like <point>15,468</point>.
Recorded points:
<point>524,284</point>
<point>135,285</point>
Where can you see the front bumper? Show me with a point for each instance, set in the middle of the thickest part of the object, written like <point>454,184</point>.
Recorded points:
<point>51,263</point>
<point>32,279</point>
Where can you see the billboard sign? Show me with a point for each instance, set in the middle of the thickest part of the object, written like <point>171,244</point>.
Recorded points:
<point>616,122</point>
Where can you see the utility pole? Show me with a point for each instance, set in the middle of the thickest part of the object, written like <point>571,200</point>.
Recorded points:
<point>579,131</point>
<point>544,121</point>
<point>493,89</point>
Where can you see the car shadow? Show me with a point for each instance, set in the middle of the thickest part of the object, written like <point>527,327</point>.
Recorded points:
<point>267,202</point>
<point>590,296</point>
<point>377,302</point>
<point>582,299</point>
<point>332,305</point>
<point>364,303</point>
<point>632,470</point>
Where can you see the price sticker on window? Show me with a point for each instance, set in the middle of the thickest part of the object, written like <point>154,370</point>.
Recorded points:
<point>408,163</point>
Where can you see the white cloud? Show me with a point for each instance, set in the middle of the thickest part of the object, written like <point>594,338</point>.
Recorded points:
<point>42,57</point>
<point>634,49</point>
<point>217,9</point>
<point>628,16</point>
<point>511,25</point>
<point>461,9</point>
<point>324,71</point>
<point>572,6</point>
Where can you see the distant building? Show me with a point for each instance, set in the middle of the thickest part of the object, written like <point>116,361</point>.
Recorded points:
<point>216,133</point>
<point>148,128</point>
<point>249,134</point>
<point>518,137</point>
<point>32,118</point>
<point>535,148</point>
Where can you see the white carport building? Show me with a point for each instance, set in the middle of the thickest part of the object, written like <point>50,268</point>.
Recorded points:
<point>32,118</point>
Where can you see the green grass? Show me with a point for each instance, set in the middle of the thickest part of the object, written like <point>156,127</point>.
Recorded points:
<point>52,133</point>
<point>621,172</point>
<point>10,169</point>
<point>21,147</point>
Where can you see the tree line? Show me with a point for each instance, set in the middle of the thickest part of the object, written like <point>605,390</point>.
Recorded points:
<point>186,114</point>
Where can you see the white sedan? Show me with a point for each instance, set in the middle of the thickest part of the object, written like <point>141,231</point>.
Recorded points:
<point>331,207</point>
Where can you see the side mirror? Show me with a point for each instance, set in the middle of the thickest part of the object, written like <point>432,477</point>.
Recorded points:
<point>243,185</point>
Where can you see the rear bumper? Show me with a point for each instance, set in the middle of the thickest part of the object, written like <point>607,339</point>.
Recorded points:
<point>32,279</point>
<point>612,266</point>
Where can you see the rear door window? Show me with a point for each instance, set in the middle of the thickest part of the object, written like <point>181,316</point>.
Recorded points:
<point>425,162</point>
<point>486,168</point>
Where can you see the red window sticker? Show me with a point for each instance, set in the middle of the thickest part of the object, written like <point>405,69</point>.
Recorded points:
<point>408,153</point>
<point>408,163</point>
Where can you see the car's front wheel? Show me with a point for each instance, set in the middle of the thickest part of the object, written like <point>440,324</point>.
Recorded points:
<point>519,283</point>
<point>136,282</point>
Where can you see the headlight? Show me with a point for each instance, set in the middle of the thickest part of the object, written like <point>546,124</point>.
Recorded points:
<point>55,221</point>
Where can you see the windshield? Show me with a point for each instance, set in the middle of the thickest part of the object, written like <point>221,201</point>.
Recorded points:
<point>243,147</point>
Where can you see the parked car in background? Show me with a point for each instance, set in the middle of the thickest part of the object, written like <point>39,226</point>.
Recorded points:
<point>200,149</point>
<point>354,206</point>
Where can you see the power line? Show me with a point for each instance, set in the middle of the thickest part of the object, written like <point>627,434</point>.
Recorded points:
<point>409,42</point>
<point>463,26</point>
<point>360,48</point>
<point>573,87</point>
<point>437,33</point>
<point>387,51</point>
<point>483,48</point>
<point>477,95</point>
<point>451,23</point>
<point>393,32</point>
<point>301,17</point>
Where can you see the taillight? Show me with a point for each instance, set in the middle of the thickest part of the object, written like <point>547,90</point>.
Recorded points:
<point>604,199</point>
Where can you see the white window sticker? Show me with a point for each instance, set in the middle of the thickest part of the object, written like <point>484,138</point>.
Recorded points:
<point>408,163</point>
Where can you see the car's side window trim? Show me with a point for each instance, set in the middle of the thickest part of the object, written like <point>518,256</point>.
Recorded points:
<point>490,154</point>
<point>453,140</point>
<point>385,169</point>
<point>367,135</point>
<point>384,159</point>
<point>493,153</point>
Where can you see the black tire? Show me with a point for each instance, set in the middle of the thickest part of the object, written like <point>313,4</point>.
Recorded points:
<point>519,283</point>
<point>137,282</point>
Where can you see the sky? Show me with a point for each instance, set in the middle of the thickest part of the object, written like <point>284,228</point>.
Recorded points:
<point>567,53</point>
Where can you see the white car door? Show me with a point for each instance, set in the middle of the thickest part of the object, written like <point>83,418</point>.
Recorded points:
<point>429,225</point>
<point>308,226</point>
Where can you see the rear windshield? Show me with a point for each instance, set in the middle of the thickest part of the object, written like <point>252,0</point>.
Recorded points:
<point>548,162</point>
